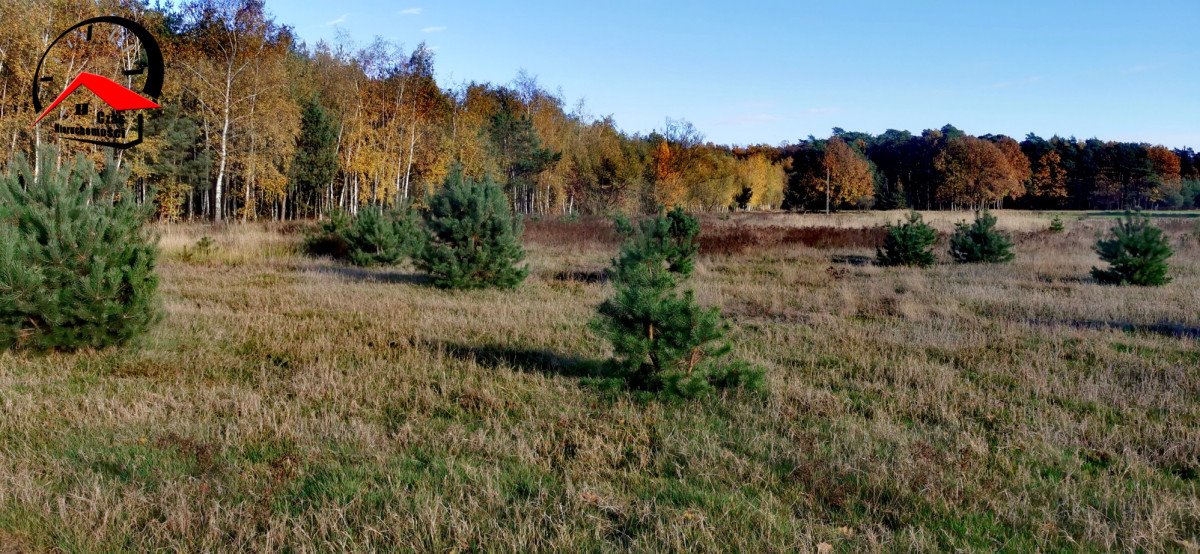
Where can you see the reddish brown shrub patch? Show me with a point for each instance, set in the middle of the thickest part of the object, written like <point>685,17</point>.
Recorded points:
<point>735,240</point>
<point>597,231</point>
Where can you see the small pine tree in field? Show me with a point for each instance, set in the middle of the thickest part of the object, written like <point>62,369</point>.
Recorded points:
<point>76,259</point>
<point>908,243</point>
<point>980,242</point>
<point>382,237</point>
<point>473,237</point>
<point>1136,252</point>
<point>663,340</point>
<point>1056,225</point>
<point>330,237</point>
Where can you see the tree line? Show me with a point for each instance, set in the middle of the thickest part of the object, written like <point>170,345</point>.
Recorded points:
<point>948,169</point>
<point>258,125</point>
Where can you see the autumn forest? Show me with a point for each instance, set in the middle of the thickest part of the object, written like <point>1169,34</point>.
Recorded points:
<point>259,125</point>
<point>358,295</point>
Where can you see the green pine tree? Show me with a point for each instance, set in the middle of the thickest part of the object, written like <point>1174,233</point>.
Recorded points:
<point>892,198</point>
<point>76,258</point>
<point>473,237</point>
<point>518,149</point>
<point>908,243</point>
<point>980,242</point>
<point>329,238</point>
<point>663,340</point>
<point>1056,225</point>
<point>180,166</point>
<point>315,162</point>
<point>1137,253</point>
<point>382,237</point>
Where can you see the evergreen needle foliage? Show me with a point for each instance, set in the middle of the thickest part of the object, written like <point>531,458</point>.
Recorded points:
<point>473,237</point>
<point>1056,225</point>
<point>330,237</point>
<point>1137,253</point>
<point>908,243</point>
<point>663,340</point>
<point>76,262</point>
<point>980,242</point>
<point>382,237</point>
<point>315,162</point>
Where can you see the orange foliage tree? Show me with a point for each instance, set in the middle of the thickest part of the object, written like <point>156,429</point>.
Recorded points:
<point>847,174</point>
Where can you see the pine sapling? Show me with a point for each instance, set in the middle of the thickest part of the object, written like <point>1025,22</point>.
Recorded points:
<point>382,237</point>
<point>664,342</point>
<point>908,243</point>
<point>980,242</point>
<point>330,237</point>
<point>1136,251</point>
<point>76,257</point>
<point>474,240</point>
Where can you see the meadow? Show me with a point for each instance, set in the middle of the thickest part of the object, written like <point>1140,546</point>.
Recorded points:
<point>289,403</point>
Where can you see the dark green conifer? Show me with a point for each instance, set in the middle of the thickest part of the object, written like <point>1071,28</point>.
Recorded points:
<point>662,339</point>
<point>908,243</point>
<point>76,258</point>
<point>474,241</point>
<point>315,162</point>
<point>980,242</point>
<point>382,237</point>
<point>1136,252</point>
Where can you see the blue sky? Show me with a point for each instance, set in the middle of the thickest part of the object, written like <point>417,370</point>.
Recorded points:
<point>767,72</point>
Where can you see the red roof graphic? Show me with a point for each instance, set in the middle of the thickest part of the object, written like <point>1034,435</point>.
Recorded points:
<point>109,91</point>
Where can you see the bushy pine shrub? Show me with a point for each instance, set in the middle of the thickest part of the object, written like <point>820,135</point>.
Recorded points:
<point>473,238</point>
<point>1136,252</point>
<point>908,243</point>
<point>330,237</point>
<point>980,242</point>
<point>663,341</point>
<point>382,237</point>
<point>201,252</point>
<point>76,258</point>
<point>376,236</point>
<point>1056,225</point>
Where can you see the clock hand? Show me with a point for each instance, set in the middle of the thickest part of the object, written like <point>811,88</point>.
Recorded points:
<point>138,69</point>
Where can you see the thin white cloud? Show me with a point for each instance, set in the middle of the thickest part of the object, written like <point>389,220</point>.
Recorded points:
<point>410,11</point>
<point>436,29</point>
<point>338,21</point>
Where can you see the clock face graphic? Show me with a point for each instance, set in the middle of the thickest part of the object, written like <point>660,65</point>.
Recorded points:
<point>94,79</point>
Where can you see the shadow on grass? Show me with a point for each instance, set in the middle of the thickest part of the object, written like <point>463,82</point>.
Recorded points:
<point>589,276</point>
<point>526,359</point>
<point>364,275</point>
<point>1163,329</point>
<point>1151,214</point>
<point>852,260</point>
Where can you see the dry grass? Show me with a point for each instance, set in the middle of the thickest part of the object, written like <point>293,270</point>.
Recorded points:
<point>297,404</point>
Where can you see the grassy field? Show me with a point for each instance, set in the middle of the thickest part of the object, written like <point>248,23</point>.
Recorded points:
<point>289,403</point>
